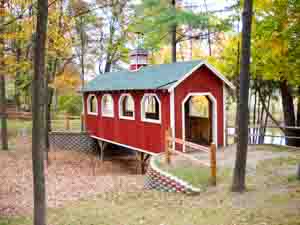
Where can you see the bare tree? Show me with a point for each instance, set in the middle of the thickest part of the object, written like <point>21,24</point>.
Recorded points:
<point>238,184</point>
<point>38,86</point>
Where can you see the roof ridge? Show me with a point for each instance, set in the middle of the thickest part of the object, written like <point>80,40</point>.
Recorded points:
<point>149,77</point>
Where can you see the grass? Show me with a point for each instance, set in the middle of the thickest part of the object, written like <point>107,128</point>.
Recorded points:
<point>198,178</point>
<point>15,221</point>
<point>24,127</point>
<point>273,148</point>
<point>293,178</point>
<point>196,175</point>
<point>58,125</point>
<point>270,200</point>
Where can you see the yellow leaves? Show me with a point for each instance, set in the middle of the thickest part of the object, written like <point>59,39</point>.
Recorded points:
<point>28,27</point>
<point>263,4</point>
<point>14,36</point>
<point>20,2</point>
<point>11,65</point>
<point>59,40</point>
<point>68,79</point>
<point>59,45</point>
<point>3,12</point>
<point>163,56</point>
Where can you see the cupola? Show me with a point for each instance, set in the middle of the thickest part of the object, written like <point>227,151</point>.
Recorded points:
<point>138,58</point>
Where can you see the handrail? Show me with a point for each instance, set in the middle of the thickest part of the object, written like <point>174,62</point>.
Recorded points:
<point>256,127</point>
<point>189,144</point>
<point>169,141</point>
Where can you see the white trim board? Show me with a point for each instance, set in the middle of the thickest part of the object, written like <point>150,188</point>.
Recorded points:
<point>104,114</point>
<point>214,115</point>
<point>89,112</point>
<point>172,115</point>
<point>224,116</point>
<point>124,145</point>
<point>120,102</point>
<point>143,117</point>
<point>219,75</point>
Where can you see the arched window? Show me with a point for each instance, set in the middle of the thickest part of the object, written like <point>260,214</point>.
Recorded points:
<point>151,108</point>
<point>107,105</point>
<point>126,107</point>
<point>92,105</point>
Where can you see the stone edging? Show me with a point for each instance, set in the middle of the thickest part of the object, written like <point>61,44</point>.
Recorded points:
<point>163,181</point>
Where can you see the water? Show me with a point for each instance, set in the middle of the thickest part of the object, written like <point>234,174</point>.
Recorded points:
<point>269,137</point>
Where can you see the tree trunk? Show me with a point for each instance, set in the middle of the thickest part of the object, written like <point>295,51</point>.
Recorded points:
<point>238,184</point>
<point>3,114</point>
<point>82,42</point>
<point>262,141</point>
<point>237,91</point>
<point>47,122</point>
<point>298,108</point>
<point>208,31</point>
<point>288,113</point>
<point>173,36</point>
<point>17,80</point>
<point>254,117</point>
<point>38,85</point>
<point>107,66</point>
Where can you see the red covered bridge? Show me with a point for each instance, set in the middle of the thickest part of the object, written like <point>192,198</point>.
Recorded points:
<point>133,108</point>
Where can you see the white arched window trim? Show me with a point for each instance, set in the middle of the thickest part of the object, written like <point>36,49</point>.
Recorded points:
<point>143,116</point>
<point>121,116</point>
<point>89,110</point>
<point>214,115</point>
<point>103,113</point>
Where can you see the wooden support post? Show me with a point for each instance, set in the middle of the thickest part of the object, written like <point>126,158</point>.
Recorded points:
<point>226,134</point>
<point>67,121</point>
<point>82,121</point>
<point>142,163</point>
<point>213,164</point>
<point>102,145</point>
<point>167,146</point>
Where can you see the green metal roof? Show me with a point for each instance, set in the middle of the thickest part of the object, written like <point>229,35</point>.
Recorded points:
<point>150,77</point>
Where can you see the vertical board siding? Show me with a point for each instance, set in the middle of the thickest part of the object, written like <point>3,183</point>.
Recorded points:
<point>136,133</point>
<point>150,136</point>
<point>202,80</point>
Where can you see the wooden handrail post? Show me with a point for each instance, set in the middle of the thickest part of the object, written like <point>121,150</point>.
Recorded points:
<point>67,121</point>
<point>213,164</point>
<point>167,146</point>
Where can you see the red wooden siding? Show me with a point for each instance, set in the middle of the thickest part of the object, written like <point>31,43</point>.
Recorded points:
<point>202,80</point>
<point>135,133</point>
<point>148,136</point>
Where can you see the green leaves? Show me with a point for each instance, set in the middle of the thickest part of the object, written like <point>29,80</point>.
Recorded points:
<point>155,18</point>
<point>275,48</point>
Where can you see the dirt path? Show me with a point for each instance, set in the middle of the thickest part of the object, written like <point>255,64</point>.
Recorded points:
<point>256,154</point>
<point>70,176</point>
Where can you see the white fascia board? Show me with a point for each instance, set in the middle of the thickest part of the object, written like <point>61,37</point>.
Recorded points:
<point>218,74</point>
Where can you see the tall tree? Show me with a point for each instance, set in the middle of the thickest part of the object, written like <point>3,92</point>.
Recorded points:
<point>3,114</point>
<point>165,23</point>
<point>276,55</point>
<point>38,86</point>
<point>173,34</point>
<point>238,184</point>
